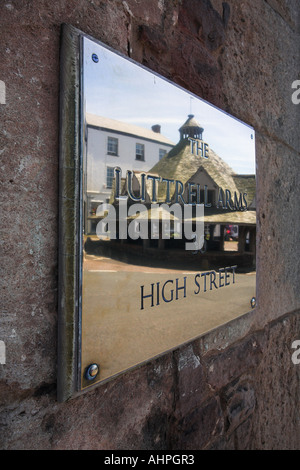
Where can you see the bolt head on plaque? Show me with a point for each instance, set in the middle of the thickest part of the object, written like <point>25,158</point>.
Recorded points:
<point>91,372</point>
<point>253,302</point>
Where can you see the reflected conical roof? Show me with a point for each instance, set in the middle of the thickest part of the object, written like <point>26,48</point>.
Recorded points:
<point>190,122</point>
<point>181,164</point>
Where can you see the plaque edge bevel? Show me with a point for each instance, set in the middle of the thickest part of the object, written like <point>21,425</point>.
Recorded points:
<point>69,202</point>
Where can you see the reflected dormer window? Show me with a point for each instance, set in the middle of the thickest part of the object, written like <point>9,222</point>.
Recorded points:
<point>162,153</point>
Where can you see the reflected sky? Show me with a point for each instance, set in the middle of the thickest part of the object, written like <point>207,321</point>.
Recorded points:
<point>119,89</point>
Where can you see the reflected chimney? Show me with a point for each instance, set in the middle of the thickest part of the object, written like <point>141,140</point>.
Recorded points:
<point>156,128</point>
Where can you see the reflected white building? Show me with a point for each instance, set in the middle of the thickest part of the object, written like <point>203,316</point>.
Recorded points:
<point>110,144</point>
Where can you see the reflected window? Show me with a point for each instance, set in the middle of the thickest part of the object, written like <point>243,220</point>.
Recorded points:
<point>109,176</point>
<point>162,153</point>
<point>140,152</point>
<point>112,146</point>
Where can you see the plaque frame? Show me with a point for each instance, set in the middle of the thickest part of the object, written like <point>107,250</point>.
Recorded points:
<point>70,212</point>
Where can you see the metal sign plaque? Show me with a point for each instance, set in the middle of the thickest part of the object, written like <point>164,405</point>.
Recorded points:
<point>166,215</point>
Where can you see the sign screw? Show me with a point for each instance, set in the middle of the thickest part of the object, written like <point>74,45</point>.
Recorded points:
<point>253,302</point>
<point>95,58</point>
<point>91,372</point>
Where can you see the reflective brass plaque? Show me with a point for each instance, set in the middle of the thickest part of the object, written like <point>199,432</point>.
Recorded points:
<point>166,215</point>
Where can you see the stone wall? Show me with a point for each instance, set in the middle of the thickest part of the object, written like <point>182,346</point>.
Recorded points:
<point>233,388</point>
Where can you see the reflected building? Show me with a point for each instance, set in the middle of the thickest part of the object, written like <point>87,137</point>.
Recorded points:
<point>228,198</point>
<point>111,143</point>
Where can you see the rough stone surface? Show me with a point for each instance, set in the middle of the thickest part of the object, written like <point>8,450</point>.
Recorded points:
<point>234,388</point>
